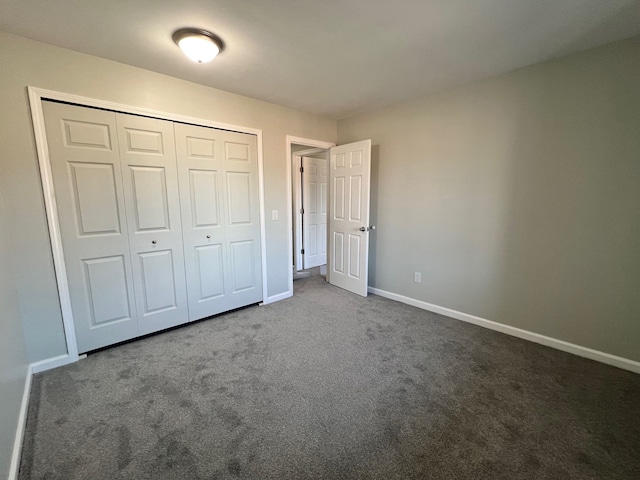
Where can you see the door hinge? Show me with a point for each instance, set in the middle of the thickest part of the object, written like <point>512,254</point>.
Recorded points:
<point>302,211</point>
<point>301,169</point>
<point>302,251</point>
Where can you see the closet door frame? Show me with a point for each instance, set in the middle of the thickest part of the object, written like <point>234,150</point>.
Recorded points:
<point>36,97</point>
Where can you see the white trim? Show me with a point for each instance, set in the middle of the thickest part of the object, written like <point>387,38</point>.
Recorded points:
<point>41,93</point>
<point>42,149</point>
<point>32,369</point>
<point>579,350</point>
<point>277,298</point>
<point>14,467</point>
<point>263,228</point>
<point>36,95</point>
<point>309,152</point>
<point>290,139</point>
<point>54,362</point>
<point>296,185</point>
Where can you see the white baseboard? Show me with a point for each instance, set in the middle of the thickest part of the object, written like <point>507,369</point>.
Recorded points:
<point>54,362</point>
<point>278,297</point>
<point>32,369</point>
<point>14,468</point>
<point>581,351</point>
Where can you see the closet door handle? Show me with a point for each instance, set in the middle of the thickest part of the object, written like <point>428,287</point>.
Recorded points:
<point>153,242</point>
<point>208,236</point>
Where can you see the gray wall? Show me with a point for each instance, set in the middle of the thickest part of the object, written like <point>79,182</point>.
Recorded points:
<point>26,62</point>
<point>523,188</point>
<point>13,355</point>
<point>518,198</point>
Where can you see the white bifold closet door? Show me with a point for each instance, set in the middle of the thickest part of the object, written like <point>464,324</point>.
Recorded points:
<point>135,198</point>
<point>87,178</point>
<point>218,174</point>
<point>148,157</point>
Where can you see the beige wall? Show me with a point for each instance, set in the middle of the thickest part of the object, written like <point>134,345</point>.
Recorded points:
<point>518,198</point>
<point>13,355</point>
<point>25,62</point>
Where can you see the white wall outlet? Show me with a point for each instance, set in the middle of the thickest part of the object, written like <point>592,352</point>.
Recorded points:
<point>417,277</point>
<point>274,214</point>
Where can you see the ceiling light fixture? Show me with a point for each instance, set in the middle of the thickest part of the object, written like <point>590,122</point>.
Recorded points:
<point>199,45</point>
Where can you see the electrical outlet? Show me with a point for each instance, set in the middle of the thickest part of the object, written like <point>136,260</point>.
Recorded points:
<point>274,215</point>
<point>417,277</point>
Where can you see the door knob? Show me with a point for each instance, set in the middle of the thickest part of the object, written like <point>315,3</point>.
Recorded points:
<point>371,227</point>
<point>154,242</point>
<point>363,229</point>
<point>208,236</point>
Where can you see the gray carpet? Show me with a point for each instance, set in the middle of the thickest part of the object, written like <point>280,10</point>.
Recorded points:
<point>328,385</point>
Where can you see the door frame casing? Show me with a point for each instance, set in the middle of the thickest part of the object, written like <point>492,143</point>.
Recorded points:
<point>36,97</point>
<point>312,144</point>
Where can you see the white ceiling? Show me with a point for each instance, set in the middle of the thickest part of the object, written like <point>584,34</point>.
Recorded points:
<point>331,57</point>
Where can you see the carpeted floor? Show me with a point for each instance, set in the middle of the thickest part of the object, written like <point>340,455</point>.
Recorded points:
<point>329,385</point>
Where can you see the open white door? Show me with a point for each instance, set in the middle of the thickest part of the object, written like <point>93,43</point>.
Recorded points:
<point>314,217</point>
<point>349,194</point>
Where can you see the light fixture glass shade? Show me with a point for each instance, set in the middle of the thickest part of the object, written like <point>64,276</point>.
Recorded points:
<point>198,45</point>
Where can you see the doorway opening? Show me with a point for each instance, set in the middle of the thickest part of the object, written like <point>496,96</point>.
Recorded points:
<point>345,204</point>
<point>308,206</point>
<point>309,209</point>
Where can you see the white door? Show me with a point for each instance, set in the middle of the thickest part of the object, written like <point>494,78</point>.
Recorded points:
<point>147,153</point>
<point>218,175</point>
<point>242,216</point>
<point>84,158</point>
<point>349,227</point>
<point>314,217</point>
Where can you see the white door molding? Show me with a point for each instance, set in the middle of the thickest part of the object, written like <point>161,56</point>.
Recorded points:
<point>312,144</point>
<point>310,152</point>
<point>296,162</point>
<point>36,96</point>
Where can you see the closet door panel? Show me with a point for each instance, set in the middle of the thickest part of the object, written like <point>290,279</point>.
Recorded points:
<point>84,158</point>
<point>243,213</point>
<point>147,152</point>
<point>159,286</point>
<point>209,263</point>
<point>201,175</point>
<point>205,198</point>
<point>218,190</point>
<point>242,260</point>
<point>96,200</point>
<point>149,196</point>
<point>239,193</point>
<point>106,281</point>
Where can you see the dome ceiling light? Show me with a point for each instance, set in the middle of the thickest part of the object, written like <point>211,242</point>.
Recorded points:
<point>199,45</point>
